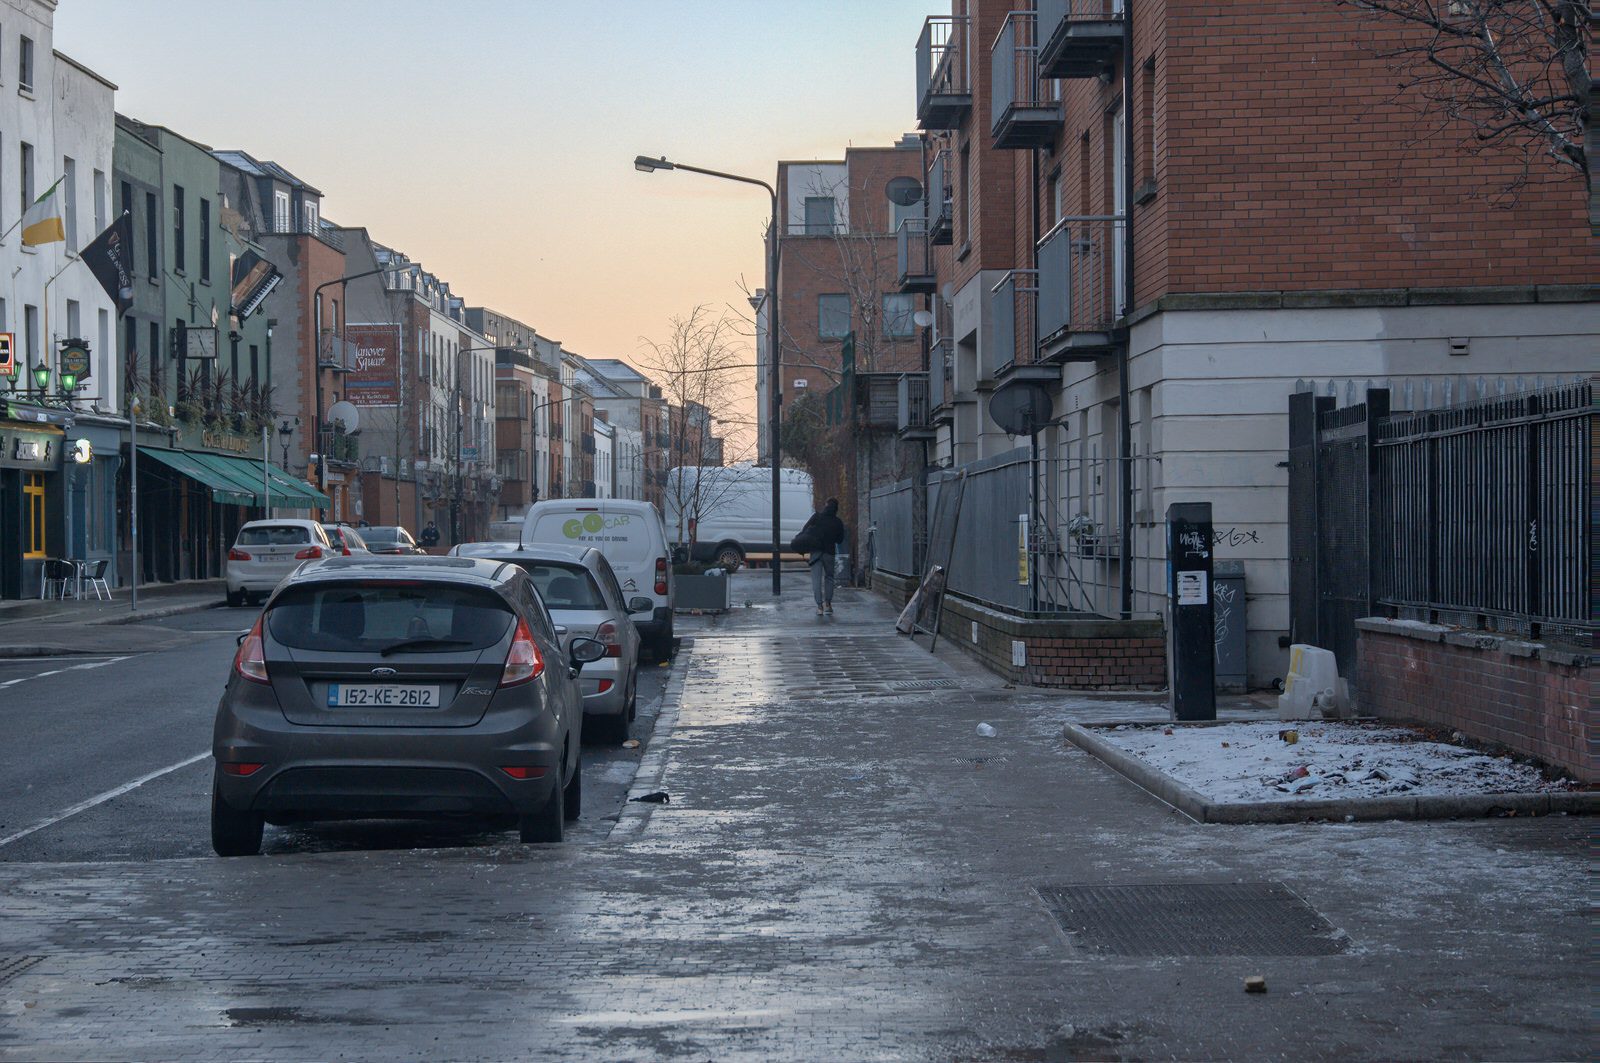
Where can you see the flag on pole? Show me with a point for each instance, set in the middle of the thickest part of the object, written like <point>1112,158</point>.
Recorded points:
<point>109,257</point>
<point>42,222</point>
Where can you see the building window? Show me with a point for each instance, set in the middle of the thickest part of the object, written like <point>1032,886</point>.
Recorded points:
<point>27,175</point>
<point>33,540</point>
<point>897,319</point>
<point>99,202</point>
<point>280,212</point>
<point>178,260</point>
<point>125,194</point>
<point>152,237</point>
<point>30,335</point>
<point>205,240</point>
<point>69,185</point>
<point>1147,123</point>
<point>899,213</point>
<point>130,353</point>
<point>255,364</point>
<point>25,65</point>
<point>964,207</point>
<point>309,211</point>
<point>74,319</point>
<point>157,393</point>
<point>833,316</point>
<point>819,215</point>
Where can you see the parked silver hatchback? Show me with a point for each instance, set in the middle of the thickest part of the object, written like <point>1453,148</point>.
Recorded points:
<point>266,551</point>
<point>420,686</point>
<point>578,586</point>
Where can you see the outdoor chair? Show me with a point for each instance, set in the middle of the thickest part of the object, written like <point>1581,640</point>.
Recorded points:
<point>54,577</point>
<point>95,577</point>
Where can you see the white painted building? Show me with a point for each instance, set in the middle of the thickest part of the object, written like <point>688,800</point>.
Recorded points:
<point>628,478</point>
<point>604,458</point>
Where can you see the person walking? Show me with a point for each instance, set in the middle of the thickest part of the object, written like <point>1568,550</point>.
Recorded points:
<point>824,532</point>
<point>429,537</point>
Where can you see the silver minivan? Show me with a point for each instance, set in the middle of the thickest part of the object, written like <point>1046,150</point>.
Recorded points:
<point>579,587</point>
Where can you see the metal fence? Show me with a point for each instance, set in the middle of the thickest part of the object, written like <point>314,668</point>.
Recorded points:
<point>1475,514</point>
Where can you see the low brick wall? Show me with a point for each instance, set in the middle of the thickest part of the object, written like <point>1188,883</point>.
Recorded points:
<point>1526,696</point>
<point>1086,654</point>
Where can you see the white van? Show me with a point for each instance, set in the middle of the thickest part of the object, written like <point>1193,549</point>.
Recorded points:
<point>632,538</point>
<point>733,504</point>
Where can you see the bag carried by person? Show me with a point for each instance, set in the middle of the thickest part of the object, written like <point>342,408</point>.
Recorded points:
<point>805,542</point>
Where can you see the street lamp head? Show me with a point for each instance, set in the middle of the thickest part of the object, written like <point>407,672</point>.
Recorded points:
<point>69,382</point>
<point>645,164</point>
<point>41,376</point>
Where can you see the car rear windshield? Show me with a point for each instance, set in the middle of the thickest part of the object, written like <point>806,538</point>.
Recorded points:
<point>373,616</point>
<point>274,535</point>
<point>622,537</point>
<point>382,534</point>
<point>564,586</point>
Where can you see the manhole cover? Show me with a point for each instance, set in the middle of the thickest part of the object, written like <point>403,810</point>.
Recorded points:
<point>1192,919</point>
<point>924,684</point>
<point>11,966</point>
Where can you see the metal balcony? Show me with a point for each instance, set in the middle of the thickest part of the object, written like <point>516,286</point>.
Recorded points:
<point>941,199</point>
<point>914,420</point>
<point>1013,352</point>
<point>1079,38</point>
<point>944,77</point>
<point>914,257</point>
<point>1021,114</point>
<point>1079,289</point>
<point>941,380</point>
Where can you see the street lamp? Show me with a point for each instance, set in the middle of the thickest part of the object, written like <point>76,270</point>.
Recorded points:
<point>645,164</point>
<point>41,377</point>
<point>533,415</point>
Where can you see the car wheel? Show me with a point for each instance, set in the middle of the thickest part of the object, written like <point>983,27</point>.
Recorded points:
<point>233,833</point>
<point>607,730</point>
<point>572,799</point>
<point>730,557</point>
<point>548,823</point>
<point>235,599</point>
<point>254,599</point>
<point>633,699</point>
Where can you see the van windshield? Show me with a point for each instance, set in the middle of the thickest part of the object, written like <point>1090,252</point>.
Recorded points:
<point>622,537</point>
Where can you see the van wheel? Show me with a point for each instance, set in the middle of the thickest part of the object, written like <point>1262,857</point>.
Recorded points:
<point>730,557</point>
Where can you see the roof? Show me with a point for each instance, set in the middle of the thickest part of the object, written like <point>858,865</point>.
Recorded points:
<point>615,369</point>
<point>244,161</point>
<point>73,62</point>
<point>466,570</point>
<point>505,551</point>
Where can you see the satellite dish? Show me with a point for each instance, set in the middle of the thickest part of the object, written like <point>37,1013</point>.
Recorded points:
<point>904,191</point>
<point>923,318</point>
<point>1021,407</point>
<point>345,415</point>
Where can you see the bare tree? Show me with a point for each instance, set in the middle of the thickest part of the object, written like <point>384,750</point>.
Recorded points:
<point>697,367</point>
<point>1516,72</point>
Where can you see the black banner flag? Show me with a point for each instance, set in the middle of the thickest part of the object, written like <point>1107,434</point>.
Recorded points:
<point>110,259</point>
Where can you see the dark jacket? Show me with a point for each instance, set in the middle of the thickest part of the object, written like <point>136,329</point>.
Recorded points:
<point>826,530</point>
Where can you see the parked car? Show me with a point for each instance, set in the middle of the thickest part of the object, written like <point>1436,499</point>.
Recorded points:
<point>370,687</point>
<point>345,539</point>
<point>581,592</point>
<point>730,507</point>
<point>390,539</point>
<point>266,551</point>
<point>631,536</point>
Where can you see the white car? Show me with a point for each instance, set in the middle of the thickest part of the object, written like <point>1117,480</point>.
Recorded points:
<point>266,551</point>
<point>632,537</point>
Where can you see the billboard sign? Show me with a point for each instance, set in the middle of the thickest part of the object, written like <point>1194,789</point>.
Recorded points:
<point>375,378</point>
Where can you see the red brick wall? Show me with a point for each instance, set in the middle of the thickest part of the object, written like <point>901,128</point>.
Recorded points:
<point>1520,695</point>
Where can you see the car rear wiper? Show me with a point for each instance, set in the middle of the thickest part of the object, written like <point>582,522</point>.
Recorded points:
<point>413,644</point>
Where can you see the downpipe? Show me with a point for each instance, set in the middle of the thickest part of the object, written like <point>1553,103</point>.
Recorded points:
<point>1125,416</point>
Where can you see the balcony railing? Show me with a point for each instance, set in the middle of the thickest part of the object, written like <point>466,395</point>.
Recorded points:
<point>944,77</point>
<point>1079,287</point>
<point>941,198</point>
<point>914,256</point>
<point>941,377</point>
<point>1013,335</point>
<point>340,446</point>
<point>1078,38</point>
<point>914,405</point>
<point>1021,114</point>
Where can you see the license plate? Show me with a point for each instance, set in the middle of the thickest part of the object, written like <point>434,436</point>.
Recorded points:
<point>381,696</point>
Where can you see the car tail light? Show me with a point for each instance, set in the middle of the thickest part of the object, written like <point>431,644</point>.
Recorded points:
<point>241,769</point>
<point>524,662</point>
<point>346,551</point>
<point>661,575</point>
<point>310,553</point>
<point>518,771</point>
<point>251,662</point>
<point>607,633</point>
<point>605,685</point>
<point>238,555</point>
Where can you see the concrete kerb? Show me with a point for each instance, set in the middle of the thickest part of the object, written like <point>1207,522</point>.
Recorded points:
<point>158,613</point>
<point>635,815</point>
<point>1164,787</point>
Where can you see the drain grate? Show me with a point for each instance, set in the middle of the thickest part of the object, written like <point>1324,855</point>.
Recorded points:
<point>1192,919</point>
<point>924,684</point>
<point>11,966</point>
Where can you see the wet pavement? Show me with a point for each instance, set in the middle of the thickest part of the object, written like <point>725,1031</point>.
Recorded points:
<point>846,870</point>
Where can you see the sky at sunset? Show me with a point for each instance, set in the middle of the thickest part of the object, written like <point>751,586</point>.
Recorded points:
<point>492,140</point>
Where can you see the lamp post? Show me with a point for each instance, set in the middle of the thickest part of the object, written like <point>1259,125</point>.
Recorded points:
<point>645,164</point>
<point>533,415</point>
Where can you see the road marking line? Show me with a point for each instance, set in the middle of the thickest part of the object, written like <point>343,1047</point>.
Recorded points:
<point>100,799</point>
<point>69,668</point>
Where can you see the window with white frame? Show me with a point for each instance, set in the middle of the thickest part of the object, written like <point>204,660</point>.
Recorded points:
<point>280,212</point>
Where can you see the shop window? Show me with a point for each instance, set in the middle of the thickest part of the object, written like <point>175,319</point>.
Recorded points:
<point>33,540</point>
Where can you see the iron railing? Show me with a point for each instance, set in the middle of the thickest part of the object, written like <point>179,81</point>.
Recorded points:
<point>1078,38</point>
<point>941,198</point>
<point>912,399</point>
<point>914,256</point>
<point>1013,335</point>
<point>944,81</point>
<point>941,372</point>
<point>1078,285</point>
<point>1021,113</point>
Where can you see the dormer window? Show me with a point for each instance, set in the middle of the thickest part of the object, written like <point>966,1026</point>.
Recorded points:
<point>280,212</point>
<point>308,211</point>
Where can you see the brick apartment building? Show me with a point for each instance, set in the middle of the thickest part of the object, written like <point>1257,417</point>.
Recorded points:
<point>1167,215</point>
<point>839,302</point>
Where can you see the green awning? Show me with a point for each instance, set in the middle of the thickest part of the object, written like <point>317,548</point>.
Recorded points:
<point>311,497</point>
<point>224,489</point>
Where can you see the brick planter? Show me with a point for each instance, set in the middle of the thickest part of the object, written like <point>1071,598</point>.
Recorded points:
<point>1081,654</point>
<point>1526,696</point>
